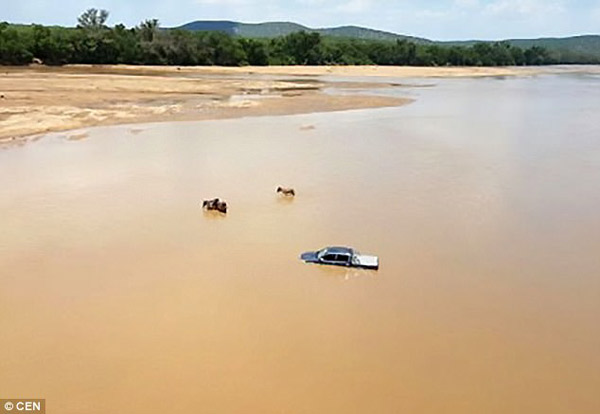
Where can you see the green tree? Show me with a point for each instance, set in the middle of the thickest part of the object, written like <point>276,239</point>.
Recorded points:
<point>256,52</point>
<point>14,46</point>
<point>51,45</point>
<point>92,19</point>
<point>126,44</point>
<point>148,29</point>
<point>303,48</point>
<point>536,55</point>
<point>226,50</point>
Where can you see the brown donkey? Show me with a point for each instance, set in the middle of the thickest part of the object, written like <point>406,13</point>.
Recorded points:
<point>215,204</point>
<point>286,191</point>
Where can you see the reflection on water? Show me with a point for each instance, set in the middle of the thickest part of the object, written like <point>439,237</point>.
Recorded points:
<point>283,200</point>
<point>344,273</point>
<point>213,215</point>
<point>481,200</point>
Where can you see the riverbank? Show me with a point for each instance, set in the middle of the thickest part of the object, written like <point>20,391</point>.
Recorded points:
<point>36,100</point>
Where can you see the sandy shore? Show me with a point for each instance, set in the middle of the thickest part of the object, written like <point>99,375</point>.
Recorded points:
<point>37,100</point>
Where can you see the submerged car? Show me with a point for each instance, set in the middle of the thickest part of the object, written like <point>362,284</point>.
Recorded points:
<point>341,256</point>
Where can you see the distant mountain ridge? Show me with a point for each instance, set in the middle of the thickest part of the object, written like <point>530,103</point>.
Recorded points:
<point>274,29</point>
<point>574,47</point>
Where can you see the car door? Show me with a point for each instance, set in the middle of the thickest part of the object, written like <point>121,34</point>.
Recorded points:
<point>329,258</point>
<point>343,259</point>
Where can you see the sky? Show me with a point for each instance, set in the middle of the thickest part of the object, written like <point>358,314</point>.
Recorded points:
<point>434,19</point>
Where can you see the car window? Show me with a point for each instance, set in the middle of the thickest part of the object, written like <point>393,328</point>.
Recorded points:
<point>342,258</point>
<point>329,257</point>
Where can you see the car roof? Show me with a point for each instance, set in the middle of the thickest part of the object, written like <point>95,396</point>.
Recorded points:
<point>339,250</point>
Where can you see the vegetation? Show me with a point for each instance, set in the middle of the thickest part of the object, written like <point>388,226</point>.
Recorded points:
<point>575,49</point>
<point>93,42</point>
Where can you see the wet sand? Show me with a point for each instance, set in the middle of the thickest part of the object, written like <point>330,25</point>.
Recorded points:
<point>346,71</point>
<point>119,294</point>
<point>37,99</point>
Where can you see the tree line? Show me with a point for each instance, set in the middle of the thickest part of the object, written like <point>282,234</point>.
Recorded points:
<point>93,42</point>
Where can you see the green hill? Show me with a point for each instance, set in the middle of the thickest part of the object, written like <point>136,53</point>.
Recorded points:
<point>576,49</point>
<point>270,29</point>
<point>356,32</point>
<point>274,29</point>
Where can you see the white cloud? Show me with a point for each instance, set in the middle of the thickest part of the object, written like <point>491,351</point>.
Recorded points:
<point>595,14</point>
<point>466,4</point>
<point>225,2</point>
<point>355,6</point>
<point>525,7</point>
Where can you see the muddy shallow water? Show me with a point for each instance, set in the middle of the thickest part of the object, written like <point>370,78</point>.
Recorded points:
<point>482,199</point>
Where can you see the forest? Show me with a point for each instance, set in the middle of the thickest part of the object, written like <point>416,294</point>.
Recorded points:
<point>94,42</point>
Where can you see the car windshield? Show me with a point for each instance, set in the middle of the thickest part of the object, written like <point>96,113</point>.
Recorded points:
<point>321,253</point>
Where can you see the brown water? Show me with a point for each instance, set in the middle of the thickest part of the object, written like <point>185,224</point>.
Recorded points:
<point>482,199</point>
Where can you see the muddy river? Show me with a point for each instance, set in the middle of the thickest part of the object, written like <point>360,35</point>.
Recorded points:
<point>118,294</point>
